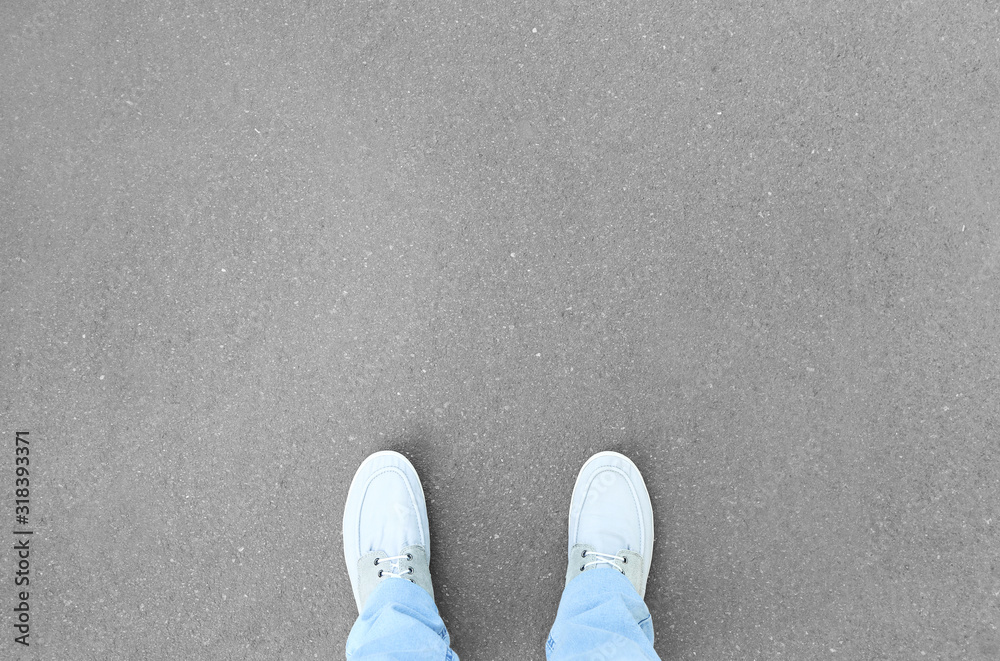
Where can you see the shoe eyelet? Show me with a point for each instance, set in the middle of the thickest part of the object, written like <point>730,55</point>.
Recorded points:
<point>584,554</point>
<point>411,580</point>
<point>409,556</point>
<point>376,562</point>
<point>411,571</point>
<point>624,561</point>
<point>582,567</point>
<point>380,573</point>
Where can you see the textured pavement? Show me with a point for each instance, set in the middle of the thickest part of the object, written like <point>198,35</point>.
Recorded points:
<point>753,245</point>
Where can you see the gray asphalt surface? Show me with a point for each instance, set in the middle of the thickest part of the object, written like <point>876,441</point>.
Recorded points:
<point>753,245</point>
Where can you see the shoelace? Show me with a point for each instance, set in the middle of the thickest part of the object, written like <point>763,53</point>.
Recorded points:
<point>394,570</point>
<point>603,559</point>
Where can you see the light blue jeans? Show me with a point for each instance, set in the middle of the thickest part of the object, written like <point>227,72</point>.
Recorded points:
<point>601,618</point>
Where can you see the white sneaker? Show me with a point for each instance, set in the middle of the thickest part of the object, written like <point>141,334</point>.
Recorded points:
<point>386,535</point>
<point>611,520</point>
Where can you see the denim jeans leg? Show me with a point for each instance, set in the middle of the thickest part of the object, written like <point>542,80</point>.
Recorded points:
<point>400,622</point>
<point>601,618</point>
